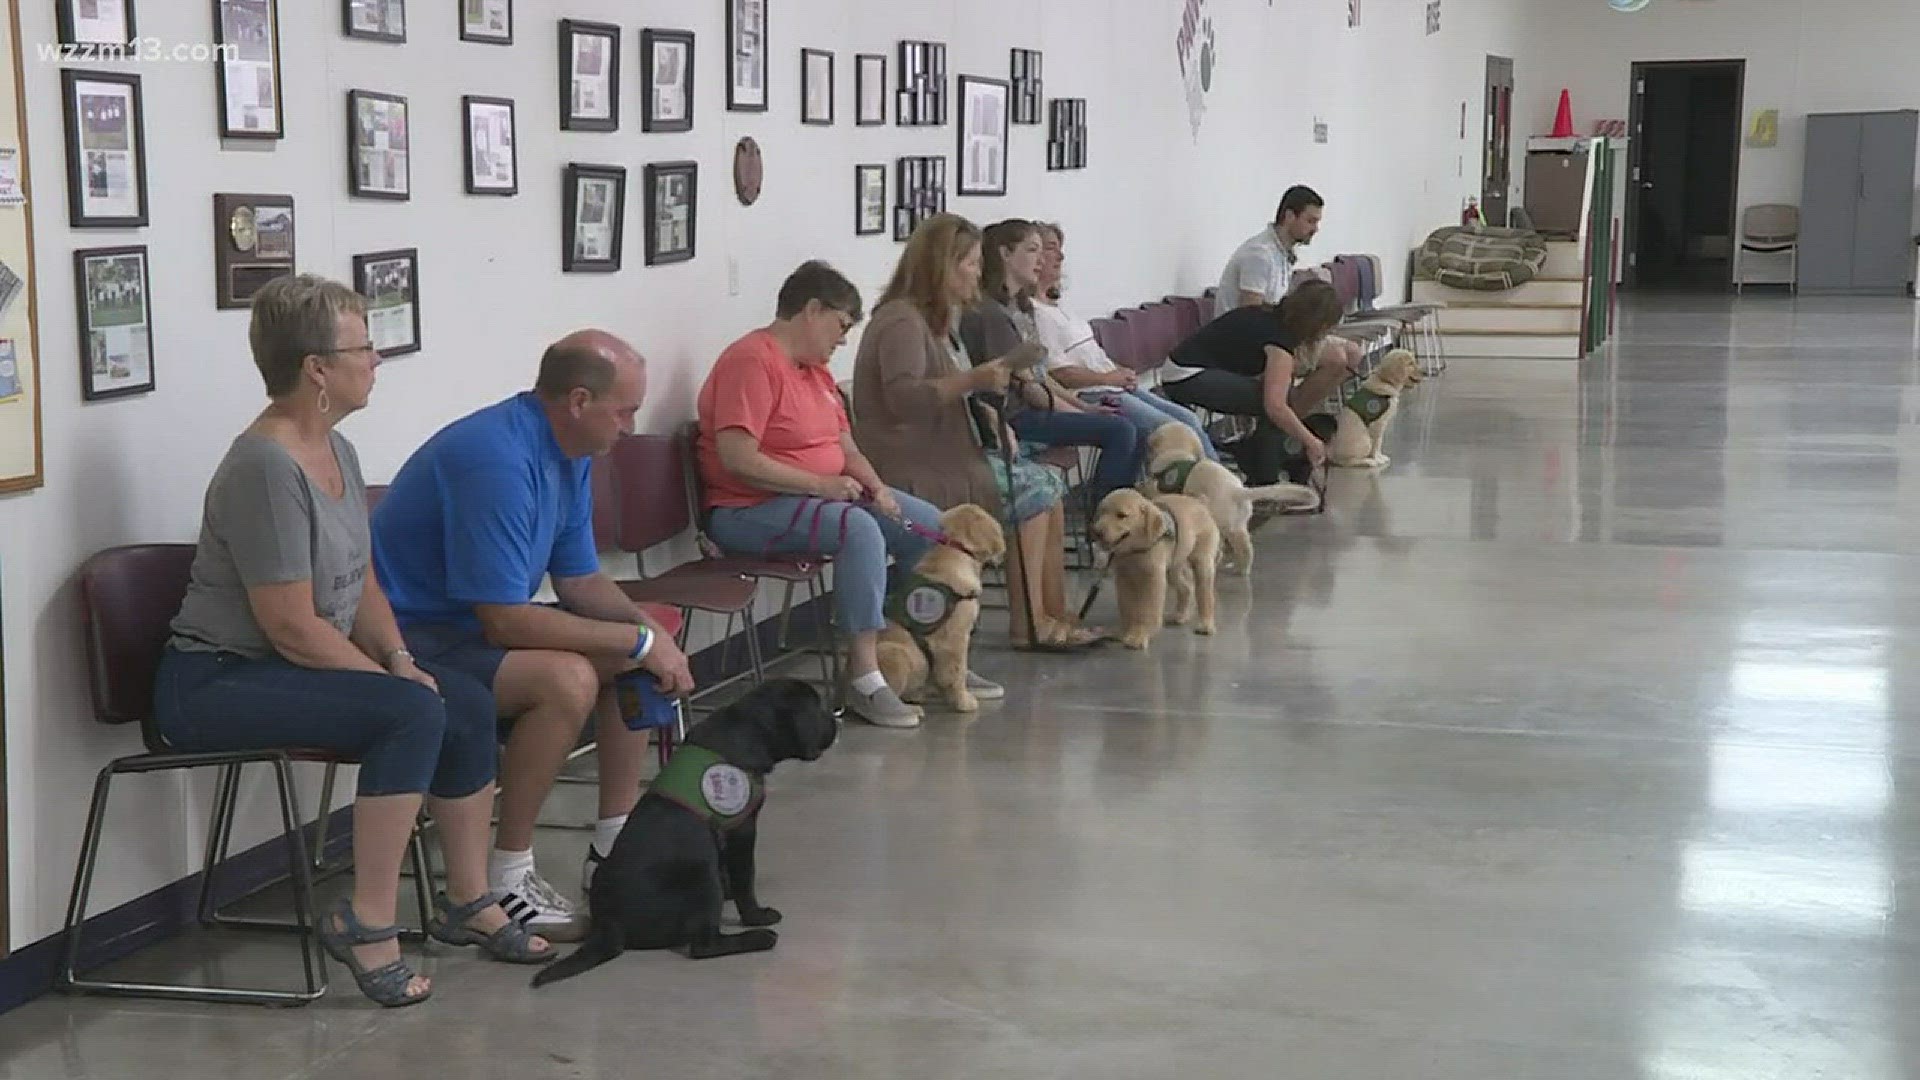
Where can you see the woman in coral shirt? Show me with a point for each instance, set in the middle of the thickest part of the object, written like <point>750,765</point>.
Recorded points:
<point>783,475</point>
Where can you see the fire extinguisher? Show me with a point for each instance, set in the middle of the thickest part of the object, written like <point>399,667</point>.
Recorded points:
<point>1470,216</point>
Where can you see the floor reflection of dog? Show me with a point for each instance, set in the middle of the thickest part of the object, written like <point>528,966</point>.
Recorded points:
<point>1366,414</point>
<point>1154,544</point>
<point>930,619</point>
<point>1178,465</point>
<point>688,846</point>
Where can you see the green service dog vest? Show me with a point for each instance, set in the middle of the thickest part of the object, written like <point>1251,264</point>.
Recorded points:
<point>921,605</point>
<point>1369,405</point>
<point>1172,480</point>
<point>700,780</point>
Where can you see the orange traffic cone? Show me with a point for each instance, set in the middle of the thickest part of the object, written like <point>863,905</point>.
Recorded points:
<point>1563,120</point>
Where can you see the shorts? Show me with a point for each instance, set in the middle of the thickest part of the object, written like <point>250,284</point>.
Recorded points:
<point>1035,489</point>
<point>462,648</point>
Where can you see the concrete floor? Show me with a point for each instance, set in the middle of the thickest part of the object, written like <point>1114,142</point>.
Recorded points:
<point>1582,743</point>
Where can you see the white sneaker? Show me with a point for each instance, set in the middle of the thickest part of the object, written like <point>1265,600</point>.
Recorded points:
<point>883,708</point>
<point>984,689</point>
<point>534,903</point>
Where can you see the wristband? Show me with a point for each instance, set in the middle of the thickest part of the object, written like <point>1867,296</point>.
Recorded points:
<point>644,645</point>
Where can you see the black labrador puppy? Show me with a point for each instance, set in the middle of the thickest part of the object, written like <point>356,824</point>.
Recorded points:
<point>687,848</point>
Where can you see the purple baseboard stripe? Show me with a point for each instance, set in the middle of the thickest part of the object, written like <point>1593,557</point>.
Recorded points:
<point>29,971</point>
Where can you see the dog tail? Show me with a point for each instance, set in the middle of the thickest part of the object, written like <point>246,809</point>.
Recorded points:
<point>1290,496</point>
<point>603,943</point>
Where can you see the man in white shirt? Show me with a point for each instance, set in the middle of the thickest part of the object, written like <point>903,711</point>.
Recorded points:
<point>1262,269</point>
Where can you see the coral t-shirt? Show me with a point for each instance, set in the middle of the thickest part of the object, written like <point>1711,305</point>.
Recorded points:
<point>792,409</point>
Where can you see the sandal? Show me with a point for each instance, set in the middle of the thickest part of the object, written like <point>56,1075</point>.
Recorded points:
<point>511,944</point>
<point>386,984</point>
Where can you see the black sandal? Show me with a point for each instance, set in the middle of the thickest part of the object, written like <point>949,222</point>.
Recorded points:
<point>511,944</point>
<point>386,984</point>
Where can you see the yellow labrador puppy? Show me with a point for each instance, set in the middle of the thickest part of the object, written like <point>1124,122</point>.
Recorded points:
<point>1365,415</point>
<point>1177,465</point>
<point>930,616</point>
<point>1170,540</point>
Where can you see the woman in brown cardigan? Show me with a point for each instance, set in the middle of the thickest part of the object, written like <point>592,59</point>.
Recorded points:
<point>914,418</point>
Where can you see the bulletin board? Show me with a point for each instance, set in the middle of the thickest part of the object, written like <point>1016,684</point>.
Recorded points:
<point>21,467</point>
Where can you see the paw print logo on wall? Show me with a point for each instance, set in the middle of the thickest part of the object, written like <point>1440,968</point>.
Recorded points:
<point>1206,56</point>
<point>1194,44</point>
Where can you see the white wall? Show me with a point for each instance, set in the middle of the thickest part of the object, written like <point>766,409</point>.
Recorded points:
<point>1803,56</point>
<point>1158,210</point>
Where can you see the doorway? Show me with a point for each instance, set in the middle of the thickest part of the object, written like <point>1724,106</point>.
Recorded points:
<point>1683,172</point>
<point>1496,153</point>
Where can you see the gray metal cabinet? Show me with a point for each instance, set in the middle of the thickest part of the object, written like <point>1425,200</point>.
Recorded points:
<point>1856,204</point>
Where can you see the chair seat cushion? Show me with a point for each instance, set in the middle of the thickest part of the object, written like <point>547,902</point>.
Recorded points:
<point>694,585</point>
<point>787,569</point>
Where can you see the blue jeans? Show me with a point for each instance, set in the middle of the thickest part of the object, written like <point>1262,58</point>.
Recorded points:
<point>1148,411</point>
<point>859,541</point>
<point>1120,445</point>
<point>406,738</point>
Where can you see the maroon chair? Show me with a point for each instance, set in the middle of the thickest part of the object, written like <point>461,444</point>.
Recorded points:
<point>128,598</point>
<point>1139,334</point>
<point>1163,333</point>
<point>640,502</point>
<point>1112,337</point>
<point>1190,316</point>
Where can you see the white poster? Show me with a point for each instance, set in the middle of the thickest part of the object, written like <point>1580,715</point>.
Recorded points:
<point>247,26</point>
<point>110,184</point>
<point>593,229</point>
<point>102,21</point>
<point>592,81</point>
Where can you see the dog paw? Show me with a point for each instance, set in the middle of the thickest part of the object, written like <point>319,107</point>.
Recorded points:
<point>1136,642</point>
<point>1204,628</point>
<point>759,916</point>
<point>1177,619</point>
<point>965,702</point>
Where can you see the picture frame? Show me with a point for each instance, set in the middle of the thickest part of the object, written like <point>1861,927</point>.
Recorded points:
<point>672,193</point>
<point>984,114</point>
<point>816,87</point>
<point>106,149</point>
<point>589,76</point>
<point>251,104</point>
<point>390,282</point>
<point>106,29</point>
<point>747,51</point>
<point>253,243</point>
<point>375,20</point>
<point>379,164</point>
<point>666,76</point>
<point>487,22</point>
<point>920,192</point>
<point>115,313</point>
<point>921,100</point>
<point>1027,86</point>
<point>869,89</point>
<point>1066,134</point>
<point>492,145</point>
<point>594,218</point>
<point>869,200</point>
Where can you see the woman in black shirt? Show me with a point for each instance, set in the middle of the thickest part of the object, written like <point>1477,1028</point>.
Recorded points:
<point>1243,364</point>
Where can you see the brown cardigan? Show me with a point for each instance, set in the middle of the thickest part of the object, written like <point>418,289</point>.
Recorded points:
<point>915,442</point>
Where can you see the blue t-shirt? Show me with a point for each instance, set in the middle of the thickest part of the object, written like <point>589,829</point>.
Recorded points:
<point>481,514</point>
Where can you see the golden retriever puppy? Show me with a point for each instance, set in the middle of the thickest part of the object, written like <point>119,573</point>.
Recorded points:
<point>1365,415</point>
<point>1177,465</point>
<point>1169,540</point>
<point>930,615</point>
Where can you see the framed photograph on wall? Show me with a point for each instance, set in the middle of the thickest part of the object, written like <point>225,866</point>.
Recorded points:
<point>589,76</point>
<point>489,22</point>
<point>594,218</point>
<point>108,25</point>
<point>746,55</point>
<point>1026,86</point>
<point>106,149</point>
<point>116,328</point>
<point>252,244</point>
<point>816,87</point>
<point>493,158</point>
<point>869,200</point>
<point>390,280</point>
<point>672,211</point>
<point>666,70</point>
<point>375,20</point>
<point>983,136</point>
<point>249,76</point>
<point>378,164</point>
<point>869,89</point>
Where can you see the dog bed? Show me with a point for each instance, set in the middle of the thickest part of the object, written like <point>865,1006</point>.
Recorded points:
<point>1485,259</point>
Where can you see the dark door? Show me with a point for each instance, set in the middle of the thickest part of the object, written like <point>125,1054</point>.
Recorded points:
<point>1683,173</point>
<point>1496,156</point>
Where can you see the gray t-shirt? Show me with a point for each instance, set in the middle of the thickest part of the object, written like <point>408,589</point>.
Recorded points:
<point>266,523</point>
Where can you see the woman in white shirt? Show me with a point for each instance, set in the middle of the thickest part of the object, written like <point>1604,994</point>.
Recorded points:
<point>1078,362</point>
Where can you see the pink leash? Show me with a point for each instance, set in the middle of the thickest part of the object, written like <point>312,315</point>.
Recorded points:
<point>819,511</point>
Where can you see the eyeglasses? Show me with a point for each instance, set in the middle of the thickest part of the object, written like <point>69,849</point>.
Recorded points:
<point>368,347</point>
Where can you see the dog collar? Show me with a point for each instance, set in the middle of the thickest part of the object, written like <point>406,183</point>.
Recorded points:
<point>1172,533</point>
<point>1172,480</point>
<point>726,795</point>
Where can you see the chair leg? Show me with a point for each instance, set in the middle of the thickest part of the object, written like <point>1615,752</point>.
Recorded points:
<point>755,662</point>
<point>422,875</point>
<point>83,878</point>
<point>303,906</point>
<point>786,616</point>
<point>218,827</point>
<point>319,841</point>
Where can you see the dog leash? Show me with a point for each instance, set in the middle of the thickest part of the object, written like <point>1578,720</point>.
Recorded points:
<point>820,507</point>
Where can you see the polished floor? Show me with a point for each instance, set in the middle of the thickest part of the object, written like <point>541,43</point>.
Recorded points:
<point>1582,743</point>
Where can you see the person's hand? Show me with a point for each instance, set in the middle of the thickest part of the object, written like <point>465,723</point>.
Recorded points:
<point>884,501</point>
<point>839,488</point>
<point>668,664</point>
<point>1123,378</point>
<point>1108,406</point>
<point>402,666</point>
<point>1025,356</point>
<point>990,377</point>
<point>1316,451</point>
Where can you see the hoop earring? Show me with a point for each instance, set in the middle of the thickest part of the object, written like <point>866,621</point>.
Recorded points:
<point>325,403</point>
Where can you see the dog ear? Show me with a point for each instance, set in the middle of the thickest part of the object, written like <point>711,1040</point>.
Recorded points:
<point>750,732</point>
<point>795,720</point>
